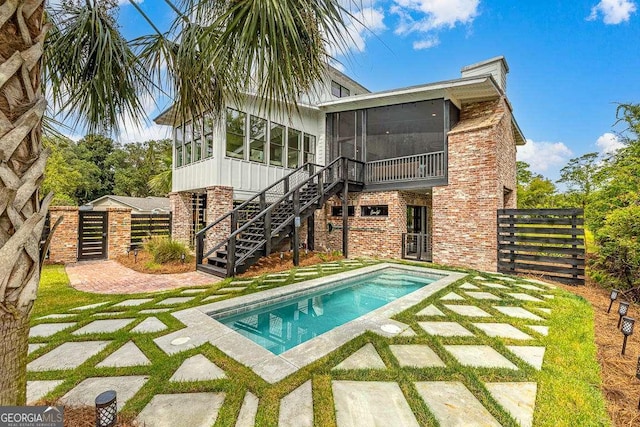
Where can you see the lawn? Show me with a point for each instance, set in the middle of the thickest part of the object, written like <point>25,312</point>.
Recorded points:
<point>568,385</point>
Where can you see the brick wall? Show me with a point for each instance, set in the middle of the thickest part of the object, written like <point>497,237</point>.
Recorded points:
<point>118,231</point>
<point>219,202</point>
<point>368,235</point>
<point>182,217</point>
<point>64,243</point>
<point>481,165</point>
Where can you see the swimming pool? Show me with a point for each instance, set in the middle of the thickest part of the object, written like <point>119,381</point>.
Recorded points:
<point>283,325</point>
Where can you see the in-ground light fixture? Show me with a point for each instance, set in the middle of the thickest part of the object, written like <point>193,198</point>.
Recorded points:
<point>613,296</point>
<point>106,409</point>
<point>627,329</point>
<point>622,311</point>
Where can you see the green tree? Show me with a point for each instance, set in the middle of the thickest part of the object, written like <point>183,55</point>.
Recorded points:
<point>161,182</point>
<point>534,190</point>
<point>580,176</point>
<point>135,166</point>
<point>96,150</point>
<point>213,52</point>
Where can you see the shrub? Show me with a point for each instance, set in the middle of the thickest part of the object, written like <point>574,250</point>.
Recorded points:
<point>166,250</point>
<point>619,254</point>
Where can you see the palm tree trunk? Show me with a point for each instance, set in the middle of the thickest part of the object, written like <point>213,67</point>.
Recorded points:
<point>22,162</point>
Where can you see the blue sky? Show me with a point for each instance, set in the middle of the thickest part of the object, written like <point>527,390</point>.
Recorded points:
<point>570,61</point>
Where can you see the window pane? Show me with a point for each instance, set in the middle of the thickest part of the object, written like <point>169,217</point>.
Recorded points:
<point>235,133</point>
<point>375,210</point>
<point>197,140</point>
<point>335,89</point>
<point>309,148</point>
<point>179,156</point>
<point>257,138</point>
<point>188,138</point>
<point>208,135</point>
<point>344,91</point>
<point>293,151</point>
<point>276,145</point>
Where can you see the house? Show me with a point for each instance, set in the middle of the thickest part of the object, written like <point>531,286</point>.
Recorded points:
<point>427,168</point>
<point>138,205</point>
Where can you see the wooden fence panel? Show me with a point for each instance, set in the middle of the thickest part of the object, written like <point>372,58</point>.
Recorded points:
<point>547,242</point>
<point>145,226</point>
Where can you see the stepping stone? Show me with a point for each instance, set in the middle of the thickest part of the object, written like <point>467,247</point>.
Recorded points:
<point>213,298</point>
<point>451,297</point>
<point>108,314</point>
<point>479,356</point>
<point>57,316</point>
<point>331,268</point>
<point>418,356</point>
<point>468,286</point>
<point>127,355</point>
<point>36,390</point>
<point>296,408</point>
<point>155,310</point>
<point>49,329</point>
<point>407,333</point>
<point>34,347</point>
<point>482,295</point>
<point>518,399</point>
<point>69,355</point>
<point>84,394</point>
<point>227,290</point>
<point>430,310</point>
<point>197,368</point>
<point>542,330</point>
<point>371,403</point>
<point>518,312</point>
<point>274,280</point>
<point>468,310</point>
<point>534,356</point>
<point>90,306</point>
<point>502,330</point>
<point>278,275</point>
<point>365,358</point>
<point>193,291</point>
<point>175,300</point>
<point>241,283</point>
<point>182,410</point>
<point>548,296</point>
<point>103,326</point>
<point>149,325</point>
<point>495,286</point>
<point>248,410</point>
<point>524,297</point>
<point>133,302</point>
<point>544,310</point>
<point>453,405</point>
<point>445,329</point>
<point>509,279</point>
<point>307,273</point>
<point>531,288</point>
<point>480,278</point>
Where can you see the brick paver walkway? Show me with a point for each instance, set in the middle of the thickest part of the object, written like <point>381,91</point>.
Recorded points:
<point>110,277</point>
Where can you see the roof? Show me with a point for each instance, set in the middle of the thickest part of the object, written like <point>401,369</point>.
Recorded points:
<point>139,203</point>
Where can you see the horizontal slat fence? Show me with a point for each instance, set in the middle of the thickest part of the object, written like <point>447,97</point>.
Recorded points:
<point>547,242</point>
<point>145,226</point>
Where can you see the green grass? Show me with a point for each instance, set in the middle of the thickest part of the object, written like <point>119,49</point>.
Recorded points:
<point>568,385</point>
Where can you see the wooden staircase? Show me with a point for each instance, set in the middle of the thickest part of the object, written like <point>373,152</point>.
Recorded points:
<point>260,224</point>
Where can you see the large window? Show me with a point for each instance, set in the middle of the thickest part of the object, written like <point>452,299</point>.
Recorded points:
<point>257,139</point>
<point>179,141</point>
<point>276,145</point>
<point>236,131</point>
<point>208,135</point>
<point>197,140</point>
<point>293,148</point>
<point>188,139</point>
<point>338,90</point>
<point>309,142</point>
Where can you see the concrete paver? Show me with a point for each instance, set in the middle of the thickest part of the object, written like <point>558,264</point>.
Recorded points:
<point>174,300</point>
<point>454,405</point>
<point>483,295</point>
<point>430,310</point>
<point>36,390</point>
<point>182,410</point>
<point>69,355</point>
<point>49,329</point>
<point>452,296</point>
<point>479,356</point>
<point>149,325</point>
<point>34,347</point>
<point>445,329</point>
<point>248,410</point>
<point>371,403</point>
<point>90,306</point>
<point>235,289</point>
<point>193,291</point>
<point>155,310</point>
<point>494,286</point>
<point>85,393</point>
<point>103,326</point>
<point>133,302</point>
<point>544,310</point>
<point>518,312</point>
<point>518,399</point>
<point>468,310</point>
<point>365,358</point>
<point>502,330</point>
<point>468,285</point>
<point>415,355</point>
<point>542,330</point>
<point>197,368</point>
<point>524,297</point>
<point>296,408</point>
<point>58,316</point>
<point>534,356</point>
<point>127,355</point>
<point>531,287</point>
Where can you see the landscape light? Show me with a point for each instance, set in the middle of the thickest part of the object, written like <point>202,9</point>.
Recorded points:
<point>613,297</point>
<point>182,257</point>
<point>627,329</point>
<point>622,311</point>
<point>106,409</point>
<point>135,255</point>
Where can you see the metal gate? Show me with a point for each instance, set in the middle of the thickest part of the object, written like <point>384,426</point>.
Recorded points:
<point>92,235</point>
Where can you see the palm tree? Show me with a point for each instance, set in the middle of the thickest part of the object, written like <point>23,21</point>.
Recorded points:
<point>213,52</point>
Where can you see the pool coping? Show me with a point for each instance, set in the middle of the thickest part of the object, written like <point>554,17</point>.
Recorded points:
<point>202,328</point>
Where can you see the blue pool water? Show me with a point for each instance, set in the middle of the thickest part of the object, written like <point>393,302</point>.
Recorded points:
<point>280,327</point>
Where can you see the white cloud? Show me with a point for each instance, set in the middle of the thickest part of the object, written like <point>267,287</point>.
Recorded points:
<point>609,143</point>
<point>613,11</point>
<point>145,131</point>
<point>543,156</point>
<point>363,23</point>
<point>431,16</point>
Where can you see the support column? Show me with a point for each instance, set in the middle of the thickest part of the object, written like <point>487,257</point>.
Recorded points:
<point>219,202</point>
<point>118,231</point>
<point>311,231</point>
<point>182,217</point>
<point>64,244</point>
<point>345,218</point>
<point>296,228</point>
